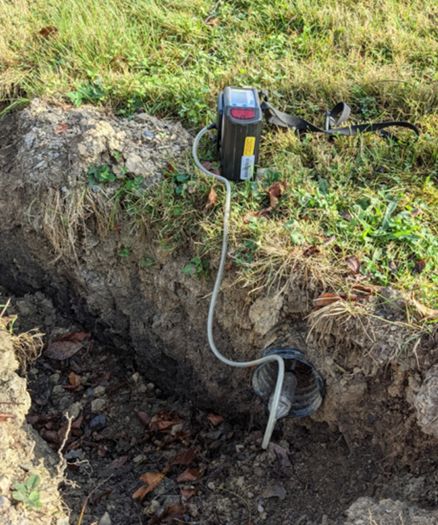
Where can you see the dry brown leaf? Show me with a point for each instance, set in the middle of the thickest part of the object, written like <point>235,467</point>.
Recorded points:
<point>281,453</point>
<point>61,350</point>
<point>74,379</point>
<point>75,337</point>
<point>118,463</point>
<point>143,417</point>
<point>164,422</point>
<point>140,493</point>
<point>212,21</point>
<point>215,420</point>
<point>185,458</point>
<point>186,494</point>
<point>49,31</point>
<point>329,240</point>
<point>260,213</point>
<point>188,475</point>
<point>152,480</point>
<point>212,198</point>
<point>62,128</point>
<point>206,164</point>
<point>275,191</point>
<point>311,250</point>
<point>169,515</point>
<point>354,264</point>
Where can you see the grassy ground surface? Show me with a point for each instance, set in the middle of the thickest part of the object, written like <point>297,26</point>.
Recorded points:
<point>363,200</point>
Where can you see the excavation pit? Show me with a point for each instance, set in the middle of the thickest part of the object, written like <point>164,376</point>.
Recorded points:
<point>146,394</point>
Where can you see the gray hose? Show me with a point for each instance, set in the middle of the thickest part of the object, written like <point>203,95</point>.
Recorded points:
<point>276,398</point>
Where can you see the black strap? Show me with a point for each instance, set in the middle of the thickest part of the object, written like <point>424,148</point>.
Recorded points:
<point>334,118</point>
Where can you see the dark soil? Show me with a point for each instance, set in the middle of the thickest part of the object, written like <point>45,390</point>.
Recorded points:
<point>124,428</point>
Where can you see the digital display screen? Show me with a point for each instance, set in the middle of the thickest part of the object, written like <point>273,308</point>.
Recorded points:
<point>240,97</point>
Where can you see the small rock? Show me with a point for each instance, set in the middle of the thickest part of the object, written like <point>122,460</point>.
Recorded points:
<point>98,422</point>
<point>39,165</point>
<point>58,390</point>
<point>99,390</point>
<point>4,503</point>
<point>74,409</point>
<point>211,485</point>
<point>105,519</point>
<point>140,457</point>
<point>97,405</point>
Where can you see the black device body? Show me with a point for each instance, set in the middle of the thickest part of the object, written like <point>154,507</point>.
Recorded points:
<point>239,123</point>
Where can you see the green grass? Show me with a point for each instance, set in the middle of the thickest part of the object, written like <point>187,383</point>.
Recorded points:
<point>172,58</point>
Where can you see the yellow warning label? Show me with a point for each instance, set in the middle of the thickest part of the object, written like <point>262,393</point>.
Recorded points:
<point>249,146</point>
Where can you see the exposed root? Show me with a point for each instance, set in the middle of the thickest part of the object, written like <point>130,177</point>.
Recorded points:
<point>28,347</point>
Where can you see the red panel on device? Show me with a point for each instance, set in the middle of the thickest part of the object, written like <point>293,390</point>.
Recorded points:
<point>243,113</point>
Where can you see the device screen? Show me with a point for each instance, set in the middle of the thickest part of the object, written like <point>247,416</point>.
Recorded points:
<point>242,98</point>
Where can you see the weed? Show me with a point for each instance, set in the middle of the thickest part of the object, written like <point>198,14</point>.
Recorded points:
<point>100,174</point>
<point>27,493</point>
<point>199,267</point>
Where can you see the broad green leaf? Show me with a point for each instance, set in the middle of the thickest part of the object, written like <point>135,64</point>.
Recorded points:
<point>33,482</point>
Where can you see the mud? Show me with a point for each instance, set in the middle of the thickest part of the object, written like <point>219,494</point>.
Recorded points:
<point>375,432</point>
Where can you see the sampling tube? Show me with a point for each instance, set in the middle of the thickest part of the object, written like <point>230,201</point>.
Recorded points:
<point>246,364</point>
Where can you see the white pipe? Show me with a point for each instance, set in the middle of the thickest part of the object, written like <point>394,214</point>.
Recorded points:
<point>276,398</point>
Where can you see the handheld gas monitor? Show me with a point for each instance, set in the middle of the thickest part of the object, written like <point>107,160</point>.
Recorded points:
<point>239,123</point>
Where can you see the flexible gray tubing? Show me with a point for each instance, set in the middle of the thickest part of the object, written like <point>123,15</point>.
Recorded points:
<point>276,398</point>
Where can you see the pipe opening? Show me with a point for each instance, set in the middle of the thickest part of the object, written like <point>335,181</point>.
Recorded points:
<point>308,393</point>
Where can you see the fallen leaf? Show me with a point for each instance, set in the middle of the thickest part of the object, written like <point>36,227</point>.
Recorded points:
<point>118,463</point>
<point>75,337</point>
<point>212,21</point>
<point>188,475</point>
<point>416,212</point>
<point>260,213</point>
<point>281,453</point>
<point>311,250</point>
<point>62,128</point>
<point>61,350</point>
<point>143,417</point>
<point>140,493</point>
<point>152,480</point>
<point>163,422</point>
<point>275,191</point>
<point>393,266</point>
<point>186,494</point>
<point>74,379</point>
<point>329,240</point>
<point>173,512</point>
<point>212,198</point>
<point>274,491</point>
<point>215,420</point>
<point>185,458</point>
<point>48,31</point>
<point>419,266</point>
<point>206,164</point>
<point>354,264</point>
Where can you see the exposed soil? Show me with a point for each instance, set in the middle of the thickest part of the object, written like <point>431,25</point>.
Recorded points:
<point>125,427</point>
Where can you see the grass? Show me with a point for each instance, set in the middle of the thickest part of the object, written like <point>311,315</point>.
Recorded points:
<point>377,200</point>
